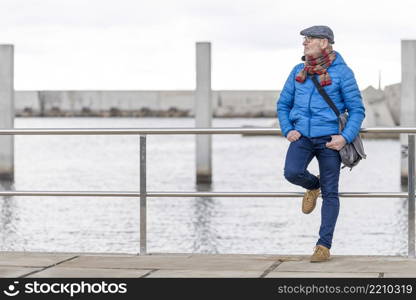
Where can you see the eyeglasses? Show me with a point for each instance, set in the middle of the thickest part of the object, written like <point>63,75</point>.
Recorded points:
<point>308,39</point>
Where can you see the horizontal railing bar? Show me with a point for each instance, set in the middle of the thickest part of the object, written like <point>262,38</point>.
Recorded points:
<point>272,194</point>
<point>181,130</point>
<point>195,194</point>
<point>71,193</point>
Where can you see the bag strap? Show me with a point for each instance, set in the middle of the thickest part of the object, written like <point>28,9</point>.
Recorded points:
<point>323,93</point>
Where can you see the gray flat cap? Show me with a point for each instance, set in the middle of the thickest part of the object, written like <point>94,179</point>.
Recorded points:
<point>320,31</point>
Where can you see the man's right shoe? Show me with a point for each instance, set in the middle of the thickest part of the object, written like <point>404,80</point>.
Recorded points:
<point>321,253</point>
<point>309,200</point>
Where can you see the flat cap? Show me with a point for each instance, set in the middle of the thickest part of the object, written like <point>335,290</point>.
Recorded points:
<point>320,31</point>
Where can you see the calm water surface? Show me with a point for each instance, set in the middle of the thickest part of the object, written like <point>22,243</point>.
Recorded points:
<point>200,225</point>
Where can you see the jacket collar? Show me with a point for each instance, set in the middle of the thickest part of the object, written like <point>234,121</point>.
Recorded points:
<point>338,59</point>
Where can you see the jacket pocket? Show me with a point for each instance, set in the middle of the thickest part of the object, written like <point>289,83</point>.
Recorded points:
<point>293,115</point>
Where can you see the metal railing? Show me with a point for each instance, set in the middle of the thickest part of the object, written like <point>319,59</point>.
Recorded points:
<point>144,194</point>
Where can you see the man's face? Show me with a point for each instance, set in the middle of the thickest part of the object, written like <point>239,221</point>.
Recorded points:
<point>312,45</point>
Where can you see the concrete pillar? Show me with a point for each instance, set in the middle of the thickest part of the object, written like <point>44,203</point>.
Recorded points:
<point>6,112</point>
<point>203,112</point>
<point>408,99</point>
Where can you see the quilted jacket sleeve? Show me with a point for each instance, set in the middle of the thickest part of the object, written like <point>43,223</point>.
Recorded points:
<point>354,104</point>
<point>285,103</point>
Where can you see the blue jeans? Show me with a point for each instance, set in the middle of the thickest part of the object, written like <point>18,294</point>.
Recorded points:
<point>298,157</point>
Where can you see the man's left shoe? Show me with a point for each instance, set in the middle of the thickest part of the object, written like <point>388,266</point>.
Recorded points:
<point>321,253</point>
<point>309,200</point>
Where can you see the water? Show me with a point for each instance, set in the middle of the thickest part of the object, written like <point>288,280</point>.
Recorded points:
<point>200,225</point>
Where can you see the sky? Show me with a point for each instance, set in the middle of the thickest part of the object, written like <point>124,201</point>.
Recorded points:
<point>150,45</point>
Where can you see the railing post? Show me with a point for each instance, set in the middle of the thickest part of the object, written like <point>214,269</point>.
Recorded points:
<point>7,111</point>
<point>411,189</point>
<point>203,113</point>
<point>143,229</point>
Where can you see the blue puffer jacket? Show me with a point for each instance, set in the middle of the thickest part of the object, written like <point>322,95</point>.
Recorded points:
<point>301,107</point>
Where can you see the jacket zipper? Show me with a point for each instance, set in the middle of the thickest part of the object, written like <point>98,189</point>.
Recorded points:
<point>310,115</point>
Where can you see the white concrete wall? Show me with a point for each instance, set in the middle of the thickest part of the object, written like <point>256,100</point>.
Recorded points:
<point>233,102</point>
<point>382,107</point>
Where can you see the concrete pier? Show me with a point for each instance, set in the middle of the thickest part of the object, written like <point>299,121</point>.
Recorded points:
<point>6,112</point>
<point>203,112</point>
<point>408,99</point>
<point>73,265</point>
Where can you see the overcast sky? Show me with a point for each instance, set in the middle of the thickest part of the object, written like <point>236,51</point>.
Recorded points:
<point>150,45</point>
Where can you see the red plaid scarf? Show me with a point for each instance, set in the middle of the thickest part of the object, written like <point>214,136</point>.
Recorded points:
<point>317,65</point>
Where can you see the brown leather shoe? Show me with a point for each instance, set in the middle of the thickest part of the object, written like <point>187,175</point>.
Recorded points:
<point>321,253</point>
<point>309,200</point>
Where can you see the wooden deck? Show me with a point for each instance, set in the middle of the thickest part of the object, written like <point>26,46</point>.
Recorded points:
<point>73,265</point>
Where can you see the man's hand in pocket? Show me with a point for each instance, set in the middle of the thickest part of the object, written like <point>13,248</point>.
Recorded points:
<point>293,135</point>
<point>337,142</point>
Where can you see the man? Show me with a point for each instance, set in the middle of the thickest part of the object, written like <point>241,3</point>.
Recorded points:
<point>311,126</point>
